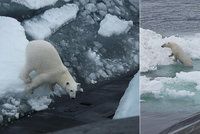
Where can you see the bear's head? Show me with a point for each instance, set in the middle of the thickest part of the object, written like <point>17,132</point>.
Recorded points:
<point>168,44</point>
<point>70,85</point>
<point>165,45</point>
<point>72,88</point>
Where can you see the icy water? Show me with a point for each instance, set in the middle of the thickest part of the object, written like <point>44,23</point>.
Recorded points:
<point>168,108</point>
<point>170,17</point>
<point>160,111</point>
<point>171,70</point>
<point>166,103</point>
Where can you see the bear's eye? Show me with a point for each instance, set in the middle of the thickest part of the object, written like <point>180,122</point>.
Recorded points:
<point>71,90</point>
<point>67,83</point>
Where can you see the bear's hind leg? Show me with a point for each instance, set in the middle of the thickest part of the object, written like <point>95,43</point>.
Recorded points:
<point>37,81</point>
<point>24,75</point>
<point>175,58</point>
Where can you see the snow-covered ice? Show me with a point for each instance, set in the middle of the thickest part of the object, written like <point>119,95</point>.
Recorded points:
<point>83,2</point>
<point>103,68</point>
<point>12,58</point>
<point>171,87</point>
<point>129,103</point>
<point>101,6</point>
<point>193,76</point>
<point>92,55</point>
<point>39,103</point>
<point>91,7</point>
<point>35,4</point>
<point>112,25</point>
<point>44,25</point>
<point>152,54</point>
<point>12,54</point>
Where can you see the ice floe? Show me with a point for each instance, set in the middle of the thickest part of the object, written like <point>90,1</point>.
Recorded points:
<point>129,103</point>
<point>185,84</point>
<point>12,54</point>
<point>44,25</point>
<point>112,25</point>
<point>35,4</point>
<point>152,54</point>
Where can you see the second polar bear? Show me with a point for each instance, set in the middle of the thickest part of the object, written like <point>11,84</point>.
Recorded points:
<point>178,54</point>
<point>43,58</point>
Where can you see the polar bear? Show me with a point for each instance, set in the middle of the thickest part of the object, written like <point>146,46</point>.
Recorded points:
<point>178,54</point>
<point>43,58</point>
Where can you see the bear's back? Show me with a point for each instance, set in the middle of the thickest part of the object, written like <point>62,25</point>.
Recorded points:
<point>42,55</point>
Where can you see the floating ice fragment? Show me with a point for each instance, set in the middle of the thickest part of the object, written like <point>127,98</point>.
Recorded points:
<point>44,25</point>
<point>35,4</point>
<point>112,25</point>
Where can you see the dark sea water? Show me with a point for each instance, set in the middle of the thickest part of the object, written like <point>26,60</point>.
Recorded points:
<point>171,17</point>
<point>168,18</point>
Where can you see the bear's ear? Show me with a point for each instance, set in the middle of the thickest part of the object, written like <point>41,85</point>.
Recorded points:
<point>80,89</point>
<point>78,84</point>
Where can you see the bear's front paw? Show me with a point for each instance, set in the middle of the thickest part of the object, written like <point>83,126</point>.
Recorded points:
<point>175,60</point>
<point>28,87</point>
<point>28,80</point>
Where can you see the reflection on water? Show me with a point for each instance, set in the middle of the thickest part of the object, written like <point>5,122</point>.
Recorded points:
<point>171,70</point>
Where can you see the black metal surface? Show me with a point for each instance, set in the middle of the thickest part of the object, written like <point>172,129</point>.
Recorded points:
<point>93,105</point>
<point>190,125</point>
<point>120,126</point>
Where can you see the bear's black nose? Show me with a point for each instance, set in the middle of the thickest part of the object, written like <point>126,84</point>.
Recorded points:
<point>72,97</point>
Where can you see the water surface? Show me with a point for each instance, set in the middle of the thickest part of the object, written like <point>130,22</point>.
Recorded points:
<point>166,110</point>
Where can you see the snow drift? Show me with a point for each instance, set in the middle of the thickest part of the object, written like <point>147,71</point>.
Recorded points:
<point>12,50</point>
<point>151,53</point>
<point>129,103</point>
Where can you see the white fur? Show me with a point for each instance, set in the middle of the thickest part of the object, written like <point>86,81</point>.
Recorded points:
<point>43,58</point>
<point>179,54</point>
